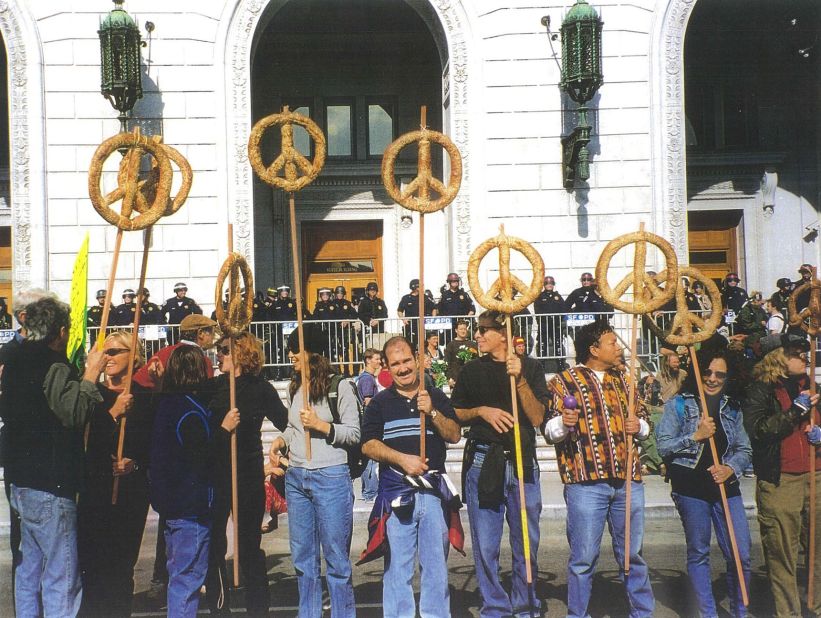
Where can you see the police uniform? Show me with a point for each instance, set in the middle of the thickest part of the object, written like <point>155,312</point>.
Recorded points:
<point>151,314</point>
<point>733,299</point>
<point>551,330</point>
<point>455,302</point>
<point>124,314</point>
<point>409,304</point>
<point>94,315</point>
<point>343,334</point>
<point>373,309</point>
<point>174,310</point>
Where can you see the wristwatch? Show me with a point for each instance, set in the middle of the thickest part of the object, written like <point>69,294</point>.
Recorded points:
<point>434,413</point>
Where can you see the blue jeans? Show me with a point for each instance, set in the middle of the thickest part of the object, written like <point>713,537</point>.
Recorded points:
<point>370,480</point>
<point>47,576</point>
<point>424,531</point>
<point>320,515</point>
<point>589,505</point>
<point>186,545</point>
<point>698,518</point>
<point>486,526</point>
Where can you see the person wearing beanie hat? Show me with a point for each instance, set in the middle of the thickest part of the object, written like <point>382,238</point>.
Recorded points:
<point>778,414</point>
<point>319,489</point>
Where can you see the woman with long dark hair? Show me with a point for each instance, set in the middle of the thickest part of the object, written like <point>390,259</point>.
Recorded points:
<point>682,436</point>
<point>185,442</point>
<point>109,535</point>
<point>777,415</point>
<point>318,489</point>
<point>256,400</point>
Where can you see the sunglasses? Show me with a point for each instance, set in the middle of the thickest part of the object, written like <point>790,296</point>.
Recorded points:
<point>733,280</point>
<point>804,356</point>
<point>483,329</point>
<point>721,375</point>
<point>115,351</point>
<point>587,278</point>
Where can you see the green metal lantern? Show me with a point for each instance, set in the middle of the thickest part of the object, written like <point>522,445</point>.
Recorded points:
<point>120,44</point>
<point>581,77</point>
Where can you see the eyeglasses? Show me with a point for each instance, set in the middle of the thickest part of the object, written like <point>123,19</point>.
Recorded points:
<point>224,350</point>
<point>804,356</point>
<point>720,375</point>
<point>483,329</point>
<point>733,280</point>
<point>587,278</point>
<point>115,351</point>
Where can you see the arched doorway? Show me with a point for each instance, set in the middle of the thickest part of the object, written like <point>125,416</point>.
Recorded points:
<point>243,25</point>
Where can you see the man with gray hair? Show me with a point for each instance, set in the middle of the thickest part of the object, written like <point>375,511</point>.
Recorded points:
<point>45,404</point>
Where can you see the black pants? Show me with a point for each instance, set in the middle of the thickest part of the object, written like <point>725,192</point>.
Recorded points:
<point>108,539</point>
<point>251,557</point>
<point>14,534</point>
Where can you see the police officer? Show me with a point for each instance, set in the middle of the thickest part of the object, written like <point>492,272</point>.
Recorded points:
<point>94,315</point>
<point>372,310</point>
<point>781,297</point>
<point>549,307</point>
<point>325,309</point>
<point>150,312</point>
<point>733,297</point>
<point>124,313</point>
<point>455,301</point>
<point>344,331</point>
<point>176,308</point>
<point>408,309</point>
<point>586,299</point>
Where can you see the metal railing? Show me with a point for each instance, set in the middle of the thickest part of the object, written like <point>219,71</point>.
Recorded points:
<point>548,337</point>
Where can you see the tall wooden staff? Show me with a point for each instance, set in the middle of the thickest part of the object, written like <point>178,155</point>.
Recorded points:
<point>809,319</point>
<point>688,329</point>
<point>417,196</point>
<point>148,189</point>
<point>298,172</point>
<point>234,320</point>
<point>648,296</point>
<point>500,297</point>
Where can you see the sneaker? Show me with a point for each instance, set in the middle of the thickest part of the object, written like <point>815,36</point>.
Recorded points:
<point>157,591</point>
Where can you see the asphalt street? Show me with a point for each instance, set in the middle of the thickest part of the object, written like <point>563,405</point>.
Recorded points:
<point>664,551</point>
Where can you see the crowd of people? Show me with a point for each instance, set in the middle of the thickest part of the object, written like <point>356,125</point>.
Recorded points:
<point>75,549</point>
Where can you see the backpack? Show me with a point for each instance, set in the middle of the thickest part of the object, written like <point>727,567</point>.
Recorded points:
<point>356,460</point>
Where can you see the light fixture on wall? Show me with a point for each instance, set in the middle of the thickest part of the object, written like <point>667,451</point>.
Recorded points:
<point>405,221</point>
<point>581,78</point>
<point>121,76</point>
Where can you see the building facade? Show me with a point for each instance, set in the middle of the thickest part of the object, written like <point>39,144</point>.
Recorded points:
<point>706,129</point>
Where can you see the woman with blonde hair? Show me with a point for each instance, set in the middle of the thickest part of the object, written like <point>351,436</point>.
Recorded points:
<point>256,400</point>
<point>777,417</point>
<point>109,535</point>
<point>318,488</point>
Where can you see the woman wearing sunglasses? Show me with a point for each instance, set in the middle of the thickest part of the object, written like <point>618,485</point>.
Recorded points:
<point>682,435</point>
<point>109,536</point>
<point>256,400</point>
<point>777,417</point>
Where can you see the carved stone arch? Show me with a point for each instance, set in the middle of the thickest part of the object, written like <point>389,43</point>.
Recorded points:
<point>669,140</point>
<point>240,22</point>
<point>27,146</point>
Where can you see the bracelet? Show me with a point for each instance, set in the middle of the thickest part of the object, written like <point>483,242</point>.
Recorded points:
<point>433,414</point>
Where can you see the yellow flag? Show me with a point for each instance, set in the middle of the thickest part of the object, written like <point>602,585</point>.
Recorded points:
<point>79,287</point>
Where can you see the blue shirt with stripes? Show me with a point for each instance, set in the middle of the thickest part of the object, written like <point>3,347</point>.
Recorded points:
<point>394,420</point>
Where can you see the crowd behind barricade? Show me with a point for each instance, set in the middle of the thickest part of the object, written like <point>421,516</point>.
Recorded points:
<point>75,549</point>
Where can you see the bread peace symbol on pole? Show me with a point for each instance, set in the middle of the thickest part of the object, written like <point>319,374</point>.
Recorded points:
<point>809,318</point>
<point>236,317</point>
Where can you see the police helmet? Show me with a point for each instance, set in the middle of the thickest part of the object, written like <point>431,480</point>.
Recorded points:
<point>414,283</point>
<point>372,286</point>
<point>324,291</point>
<point>340,289</point>
<point>180,286</point>
<point>453,277</point>
<point>784,282</point>
<point>732,277</point>
<point>101,294</point>
<point>271,292</point>
<point>283,288</point>
<point>146,294</point>
<point>128,292</point>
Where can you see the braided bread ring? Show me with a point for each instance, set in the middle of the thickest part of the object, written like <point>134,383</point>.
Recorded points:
<point>148,187</point>
<point>128,189</point>
<point>424,181</point>
<point>237,318</point>
<point>809,318</point>
<point>507,282</point>
<point>651,296</point>
<point>290,161</point>
<point>681,331</point>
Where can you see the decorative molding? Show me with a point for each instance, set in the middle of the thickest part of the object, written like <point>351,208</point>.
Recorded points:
<point>769,183</point>
<point>242,18</point>
<point>26,136</point>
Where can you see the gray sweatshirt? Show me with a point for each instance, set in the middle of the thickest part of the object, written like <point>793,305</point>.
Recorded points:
<point>323,453</point>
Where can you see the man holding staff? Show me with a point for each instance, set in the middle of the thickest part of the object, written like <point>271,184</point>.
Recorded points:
<point>589,424</point>
<point>482,399</point>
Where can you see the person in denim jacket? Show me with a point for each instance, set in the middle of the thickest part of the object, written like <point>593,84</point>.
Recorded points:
<point>682,436</point>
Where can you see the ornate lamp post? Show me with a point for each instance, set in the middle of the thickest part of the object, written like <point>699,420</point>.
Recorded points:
<point>120,44</point>
<point>581,78</point>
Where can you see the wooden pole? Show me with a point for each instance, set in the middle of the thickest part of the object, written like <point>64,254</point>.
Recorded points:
<point>722,490</point>
<point>306,370</point>
<point>811,540</point>
<point>132,354</point>
<point>517,440</point>
<point>631,414</point>
<point>421,337</point>
<point>232,396</point>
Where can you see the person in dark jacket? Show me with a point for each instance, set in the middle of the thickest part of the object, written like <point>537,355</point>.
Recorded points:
<point>256,400</point>
<point>586,299</point>
<point>110,535</point>
<point>184,445</point>
<point>682,436</point>
<point>733,297</point>
<point>45,405</point>
<point>752,319</point>
<point>548,308</point>
<point>777,418</point>
<point>124,313</point>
